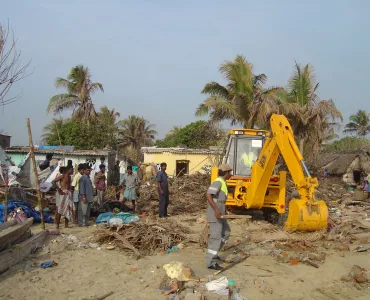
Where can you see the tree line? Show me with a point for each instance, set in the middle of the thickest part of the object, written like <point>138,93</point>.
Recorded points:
<point>244,100</point>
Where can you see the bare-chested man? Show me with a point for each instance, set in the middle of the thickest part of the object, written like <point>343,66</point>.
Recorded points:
<point>64,196</point>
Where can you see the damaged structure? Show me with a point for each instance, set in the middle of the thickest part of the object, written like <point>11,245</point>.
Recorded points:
<point>349,165</point>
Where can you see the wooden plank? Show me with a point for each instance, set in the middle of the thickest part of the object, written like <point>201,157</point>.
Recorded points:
<point>237,260</point>
<point>10,257</point>
<point>7,224</point>
<point>13,233</point>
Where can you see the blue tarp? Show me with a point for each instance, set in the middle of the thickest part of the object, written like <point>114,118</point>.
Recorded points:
<point>66,148</point>
<point>125,217</point>
<point>27,208</point>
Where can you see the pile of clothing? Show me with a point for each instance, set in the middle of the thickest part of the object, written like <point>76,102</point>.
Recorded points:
<point>26,208</point>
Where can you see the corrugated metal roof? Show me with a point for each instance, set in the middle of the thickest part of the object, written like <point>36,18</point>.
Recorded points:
<point>45,151</point>
<point>180,150</point>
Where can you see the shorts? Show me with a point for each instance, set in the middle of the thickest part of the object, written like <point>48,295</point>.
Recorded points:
<point>130,194</point>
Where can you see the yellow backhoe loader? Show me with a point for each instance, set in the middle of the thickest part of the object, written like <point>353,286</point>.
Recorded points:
<point>253,155</point>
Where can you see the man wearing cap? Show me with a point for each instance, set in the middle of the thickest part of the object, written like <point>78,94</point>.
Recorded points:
<point>218,227</point>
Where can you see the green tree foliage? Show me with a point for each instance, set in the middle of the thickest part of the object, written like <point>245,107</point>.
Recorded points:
<point>198,134</point>
<point>359,123</point>
<point>348,144</point>
<point>243,100</point>
<point>79,88</point>
<point>98,134</point>
<point>135,132</point>
<point>313,120</point>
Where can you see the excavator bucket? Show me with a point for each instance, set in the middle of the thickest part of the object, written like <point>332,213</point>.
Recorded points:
<point>307,216</point>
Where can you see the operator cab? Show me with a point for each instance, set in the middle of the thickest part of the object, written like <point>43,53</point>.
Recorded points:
<point>243,149</point>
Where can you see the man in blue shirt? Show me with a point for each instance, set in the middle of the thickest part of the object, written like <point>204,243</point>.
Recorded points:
<point>85,190</point>
<point>162,181</point>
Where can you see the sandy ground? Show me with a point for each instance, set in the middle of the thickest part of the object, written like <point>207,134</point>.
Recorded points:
<point>88,273</point>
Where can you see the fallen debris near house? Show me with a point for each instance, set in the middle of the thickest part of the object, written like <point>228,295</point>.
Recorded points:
<point>141,238</point>
<point>187,194</point>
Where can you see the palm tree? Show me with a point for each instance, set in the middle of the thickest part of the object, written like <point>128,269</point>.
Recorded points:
<point>136,132</point>
<point>174,131</point>
<point>51,130</point>
<point>107,116</point>
<point>78,97</point>
<point>242,100</point>
<point>311,118</point>
<point>359,123</point>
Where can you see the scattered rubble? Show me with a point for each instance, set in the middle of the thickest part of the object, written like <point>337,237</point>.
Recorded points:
<point>187,194</point>
<point>144,237</point>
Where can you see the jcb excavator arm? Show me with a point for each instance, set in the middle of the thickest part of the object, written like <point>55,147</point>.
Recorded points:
<point>305,213</point>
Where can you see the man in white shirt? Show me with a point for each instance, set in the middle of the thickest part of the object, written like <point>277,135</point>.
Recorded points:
<point>97,164</point>
<point>122,169</point>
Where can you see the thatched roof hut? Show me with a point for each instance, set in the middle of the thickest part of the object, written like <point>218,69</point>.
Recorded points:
<point>347,165</point>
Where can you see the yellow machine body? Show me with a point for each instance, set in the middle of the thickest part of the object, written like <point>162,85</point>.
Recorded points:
<point>253,155</point>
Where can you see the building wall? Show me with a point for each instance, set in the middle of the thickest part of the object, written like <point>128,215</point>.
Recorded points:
<point>17,158</point>
<point>4,141</point>
<point>196,161</point>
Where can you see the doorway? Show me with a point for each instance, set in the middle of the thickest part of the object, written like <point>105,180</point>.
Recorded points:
<point>182,167</point>
<point>356,176</point>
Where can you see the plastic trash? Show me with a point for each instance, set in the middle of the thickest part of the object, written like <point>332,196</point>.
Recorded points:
<point>237,296</point>
<point>172,249</point>
<point>48,264</point>
<point>217,285</point>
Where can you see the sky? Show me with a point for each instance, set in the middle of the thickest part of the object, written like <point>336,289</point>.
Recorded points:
<point>153,57</point>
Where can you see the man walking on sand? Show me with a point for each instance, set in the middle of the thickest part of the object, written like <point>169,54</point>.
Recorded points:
<point>162,181</point>
<point>100,185</point>
<point>86,197</point>
<point>218,227</point>
<point>64,199</point>
<point>130,183</point>
<point>75,187</point>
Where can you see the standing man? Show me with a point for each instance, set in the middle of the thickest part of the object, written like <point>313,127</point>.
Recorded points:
<point>219,228</point>
<point>122,169</point>
<point>64,201</point>
<point>46,163</point>
<point>99,181</point>
<point>86,197</point>
<point>368,185</point>
<point>75,187</point>
<point>162,181</point>
<point>130,183</point>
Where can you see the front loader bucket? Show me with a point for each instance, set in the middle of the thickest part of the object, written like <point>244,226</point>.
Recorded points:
<point>305,216</point>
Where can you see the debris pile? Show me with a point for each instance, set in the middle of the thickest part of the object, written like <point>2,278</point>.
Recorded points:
<point>144,237</point>
<point>187,194</point>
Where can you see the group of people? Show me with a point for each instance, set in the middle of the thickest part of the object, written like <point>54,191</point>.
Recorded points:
<point>75,194</point>
<point>74,197</point>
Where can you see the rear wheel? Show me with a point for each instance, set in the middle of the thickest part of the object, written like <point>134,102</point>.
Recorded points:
<point>272,216</point>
